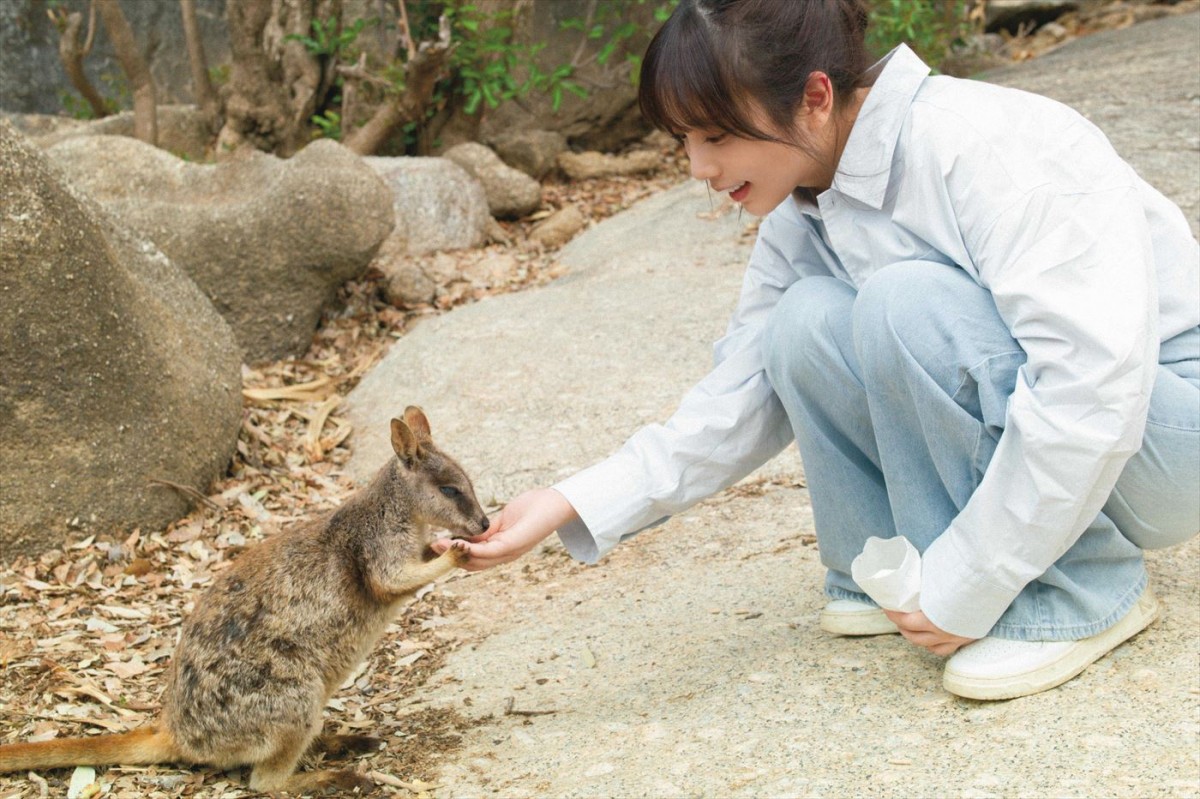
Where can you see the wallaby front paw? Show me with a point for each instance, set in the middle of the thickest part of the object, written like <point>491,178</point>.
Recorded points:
<point>457,553</point>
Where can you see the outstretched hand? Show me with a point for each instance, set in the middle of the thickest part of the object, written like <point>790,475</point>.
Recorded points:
<point>918,629</point>
<point>518,528</point>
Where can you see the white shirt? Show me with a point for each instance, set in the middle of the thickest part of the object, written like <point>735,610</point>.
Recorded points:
<point>1090,267</point>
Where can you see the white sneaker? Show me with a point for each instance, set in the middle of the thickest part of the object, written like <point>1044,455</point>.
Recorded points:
<point>849,617</point>
<point>998,668</point>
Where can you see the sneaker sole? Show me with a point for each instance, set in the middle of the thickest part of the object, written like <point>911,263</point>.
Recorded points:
<point>1073,661</point>
<point>867,622</point>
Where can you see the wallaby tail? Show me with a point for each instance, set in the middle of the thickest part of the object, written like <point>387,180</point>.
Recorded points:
<point>141,747</point>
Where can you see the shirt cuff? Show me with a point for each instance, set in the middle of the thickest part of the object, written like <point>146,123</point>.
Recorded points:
<point>955,595</point>
<point>609,501</point>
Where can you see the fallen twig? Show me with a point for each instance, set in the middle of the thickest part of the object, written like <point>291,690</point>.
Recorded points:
<point>189,491</point>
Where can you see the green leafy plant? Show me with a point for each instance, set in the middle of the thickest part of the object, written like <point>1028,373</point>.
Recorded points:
<point>610,26</point>
<point>930,27</point>
<point>329,124</point>
<point>329,38</point>
<point>487,65</point>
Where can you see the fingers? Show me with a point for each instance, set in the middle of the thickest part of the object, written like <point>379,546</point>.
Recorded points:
<point>480,554</point>
<point>486,554</point>
<point>918,629</point>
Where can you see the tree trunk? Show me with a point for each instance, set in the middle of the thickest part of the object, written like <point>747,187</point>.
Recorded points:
<point>202,88</point>
<point>145,111</point>
<point>275,84</point>
<point>72,56</point>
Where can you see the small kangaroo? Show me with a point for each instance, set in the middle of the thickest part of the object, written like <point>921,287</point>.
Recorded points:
<point>275,635</point>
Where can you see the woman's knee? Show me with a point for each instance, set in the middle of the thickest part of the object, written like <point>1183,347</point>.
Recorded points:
<point>931,313</point>
<point>802,331</point>
<point>1156,502</point>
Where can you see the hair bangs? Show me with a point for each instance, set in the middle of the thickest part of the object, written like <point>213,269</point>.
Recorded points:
<point>685,85</point>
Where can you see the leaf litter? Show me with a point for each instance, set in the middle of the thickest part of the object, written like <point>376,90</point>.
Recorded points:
<point>87,631</point>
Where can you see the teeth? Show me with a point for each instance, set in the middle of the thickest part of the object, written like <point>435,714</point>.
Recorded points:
<point>737,188</point>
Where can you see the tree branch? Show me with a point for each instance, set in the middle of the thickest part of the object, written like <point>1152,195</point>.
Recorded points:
<point>206,97</point>
<point>145,124</point>
<point>72,56</point>
<point>421,75</point>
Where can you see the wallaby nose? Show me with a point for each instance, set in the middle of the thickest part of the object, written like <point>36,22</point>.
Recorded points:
<point>484,524</point>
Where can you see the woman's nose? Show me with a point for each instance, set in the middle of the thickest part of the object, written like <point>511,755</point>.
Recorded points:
<point>702,167</point>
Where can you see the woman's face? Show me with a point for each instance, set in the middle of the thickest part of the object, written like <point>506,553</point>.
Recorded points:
<point>761,174</point>
<point>757,174</point>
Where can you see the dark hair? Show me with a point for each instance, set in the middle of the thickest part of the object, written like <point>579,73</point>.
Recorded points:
<point>713,58</point>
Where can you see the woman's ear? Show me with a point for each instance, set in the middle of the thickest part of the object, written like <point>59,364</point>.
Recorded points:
<point>818,98</point>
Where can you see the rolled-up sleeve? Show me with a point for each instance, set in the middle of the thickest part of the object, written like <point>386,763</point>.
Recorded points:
<point>1072,276</point>
<point>727,425</point>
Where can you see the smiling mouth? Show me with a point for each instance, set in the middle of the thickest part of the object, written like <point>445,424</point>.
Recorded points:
<point>739,192</point>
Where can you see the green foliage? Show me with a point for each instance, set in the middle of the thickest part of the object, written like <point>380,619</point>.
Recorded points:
<point>485,63</point>
<point>486,66</point>
<point>218,76</point>
<point>930,27</point>
<point>329,124</point>
<point>329,39</point>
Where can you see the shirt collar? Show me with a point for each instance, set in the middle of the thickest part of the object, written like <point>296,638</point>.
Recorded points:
<point>866,162</point>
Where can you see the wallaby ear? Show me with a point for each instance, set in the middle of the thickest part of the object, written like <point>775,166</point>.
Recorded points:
<point>405,443</point>
<point>414,417</point>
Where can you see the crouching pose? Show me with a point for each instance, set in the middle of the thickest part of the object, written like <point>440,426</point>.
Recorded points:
<point>975,319</point>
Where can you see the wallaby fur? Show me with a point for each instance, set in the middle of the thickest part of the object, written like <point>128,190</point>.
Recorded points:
<point>273,638</point>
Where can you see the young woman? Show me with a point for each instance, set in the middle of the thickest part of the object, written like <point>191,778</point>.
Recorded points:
<point>979,324</point>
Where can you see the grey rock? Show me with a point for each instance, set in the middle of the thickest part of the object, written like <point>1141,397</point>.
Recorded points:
<point>117,369</point>
<point>182,131</point>
<point>268,240</point>
<point>510,192</point>
<point>436,204</point>
<point>534,152</point>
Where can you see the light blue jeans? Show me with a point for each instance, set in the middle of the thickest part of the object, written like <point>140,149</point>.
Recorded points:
<point>828,349</point>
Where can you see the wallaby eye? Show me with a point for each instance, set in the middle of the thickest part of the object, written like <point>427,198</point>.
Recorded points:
<point>451,492</point>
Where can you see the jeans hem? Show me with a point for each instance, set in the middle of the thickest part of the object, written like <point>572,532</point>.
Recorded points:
<point>1072,632</point>
<point>833,592</point>
<point>1042,632</point>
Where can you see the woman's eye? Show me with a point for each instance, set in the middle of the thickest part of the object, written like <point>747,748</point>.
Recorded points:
<point>451,491</point>
<point>717,139</point>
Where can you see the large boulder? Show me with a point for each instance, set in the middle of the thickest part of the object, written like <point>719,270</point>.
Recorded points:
<point>117,370</point>
<point>182,130</point>
<point>510,192</point>
<point>532,151</point>
<point>268,240</point>
<point>437,206</point>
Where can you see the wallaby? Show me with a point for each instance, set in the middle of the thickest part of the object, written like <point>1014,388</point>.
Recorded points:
<point>276,634</point>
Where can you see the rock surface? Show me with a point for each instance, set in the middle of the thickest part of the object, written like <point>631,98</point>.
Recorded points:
<point>117,370</point>
<point>558,228</point>
<point>268,240</point>
<point>181,131</point>
<point>511,193</point>
<point>534,152</point>
<point>590,164</point>
<point>689,662</point>
<point>437,206</point>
